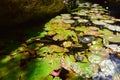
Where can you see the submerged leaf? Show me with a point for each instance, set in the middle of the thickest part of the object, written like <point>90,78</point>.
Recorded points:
<point>38,69</point>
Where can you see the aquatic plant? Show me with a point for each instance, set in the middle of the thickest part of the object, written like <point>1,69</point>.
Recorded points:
<point>79,45</point>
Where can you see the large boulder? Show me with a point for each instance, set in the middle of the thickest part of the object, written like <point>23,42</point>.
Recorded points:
<point>18,11</point>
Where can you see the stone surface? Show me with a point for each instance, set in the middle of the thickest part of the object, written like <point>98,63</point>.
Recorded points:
<point>18,11</point>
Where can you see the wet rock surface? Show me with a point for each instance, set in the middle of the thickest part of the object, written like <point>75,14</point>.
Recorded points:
<point>14,12</point>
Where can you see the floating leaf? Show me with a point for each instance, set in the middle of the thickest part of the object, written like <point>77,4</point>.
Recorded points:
<point>107,67</point>
<point>63,35</point>
<point>54,61</point>
<point>106,32</point>
<point>108,21</point>
<point>112,38</point>
<point>67,44</point>
<point>82,20</point>
<point>44,50</point>
<point>42,34</point>
<point>66,16</point>
<point>95,58</point>
<point>56,48</point>
<point>92,32</point>
<point>51,33</point>
<point>100,22</point>
<point>105,42</point>
<point>114,47</point>
<point>82,28</point>
<point>67,61</point>
<point>96,47</point>
<point>83,69</point>
<point>113,27</point>
<point>69,21</point>
<point>58,37</point>
<point>76,17</point>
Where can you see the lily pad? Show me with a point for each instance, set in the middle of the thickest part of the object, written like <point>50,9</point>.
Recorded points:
<point>58,38</point>
<point>67,44</point>
<point>114,47</point>
<point>108,21</point>
<point>113,27</point>
<point>83,69</point>
<point>112,38</point>
<point>95,58</point>
<point>82,20</point>
<point>66,16</point>
<point>107,67</point>
<point>56,48</point>
<point>82,28</point>
<point>98,22</point>
<point>69,21</point>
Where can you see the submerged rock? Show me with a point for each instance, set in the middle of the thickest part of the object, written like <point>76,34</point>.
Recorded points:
<point>18,11</point>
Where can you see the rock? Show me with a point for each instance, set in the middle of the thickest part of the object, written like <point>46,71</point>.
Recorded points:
<point>14,12</point>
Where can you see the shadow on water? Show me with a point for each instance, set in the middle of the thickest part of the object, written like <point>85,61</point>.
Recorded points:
<point>11,37</point>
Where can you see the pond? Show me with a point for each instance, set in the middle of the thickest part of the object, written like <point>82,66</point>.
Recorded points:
<point>83,44</point>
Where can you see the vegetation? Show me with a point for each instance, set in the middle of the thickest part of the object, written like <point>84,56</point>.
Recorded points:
<point>81,45</point>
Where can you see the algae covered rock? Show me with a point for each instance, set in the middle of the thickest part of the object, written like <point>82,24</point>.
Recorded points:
<point>18,11</point>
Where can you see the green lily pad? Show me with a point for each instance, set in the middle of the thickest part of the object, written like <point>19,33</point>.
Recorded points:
<point>67,44</point>
<point>44,50</point>
<point>108,21</point>
<point>66,16</point>
<point>95,58</point>
<point>99,22</point>
<point>112,38</point>
<point>56,48</point>
<point>66,62</point>
<point>42,34</point>
<point>82,28</point>
<point>51,33</point>
<point>69,21</point>
<point>83,69</point>
<point>113,27</point>
<point>82,20</point>
<point>106,32</point>
<point>63,34</point>
<point>58,37</point>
